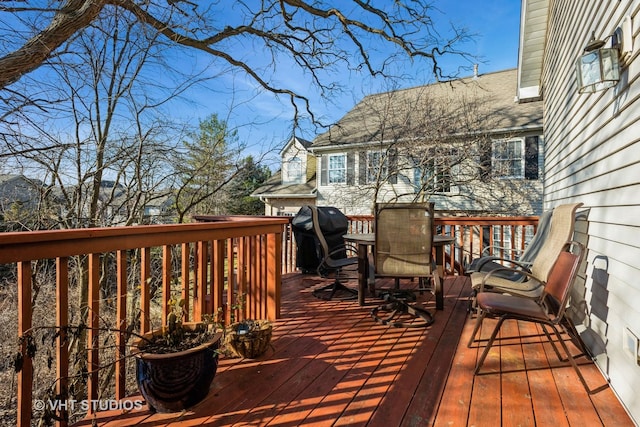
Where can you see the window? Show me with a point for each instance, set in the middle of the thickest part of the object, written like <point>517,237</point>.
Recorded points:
<point>377,167</point>
<point>337,169</point>
<point>294,169</point>
<point>433,173</point>
<point>508,158</point>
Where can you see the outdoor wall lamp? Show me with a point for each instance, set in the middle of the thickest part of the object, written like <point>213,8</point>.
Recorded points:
<point>599,67</point>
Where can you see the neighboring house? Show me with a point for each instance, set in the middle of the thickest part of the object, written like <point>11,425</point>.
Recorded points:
<point>593,156</point>
<point>294,185</point>
<point>468,146</point>
<point>19,190</point>
<point>149,208</point>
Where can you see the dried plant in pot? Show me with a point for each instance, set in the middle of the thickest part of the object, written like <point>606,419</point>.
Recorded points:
<point>249,338</point>
<point>176,364</point>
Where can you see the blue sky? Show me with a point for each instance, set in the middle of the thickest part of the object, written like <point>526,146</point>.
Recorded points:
<point>264,121</point>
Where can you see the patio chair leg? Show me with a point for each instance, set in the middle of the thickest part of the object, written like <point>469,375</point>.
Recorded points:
<point>575,365</point>
<point>494,334</point>
<point>476,327</point>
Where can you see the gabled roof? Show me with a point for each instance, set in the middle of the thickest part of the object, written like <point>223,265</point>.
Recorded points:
<point>274,188</point>
<point>491,95</point>
<point>303,142</point>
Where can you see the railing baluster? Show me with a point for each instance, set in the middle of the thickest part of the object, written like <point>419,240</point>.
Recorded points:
<point>242,277</point>
<point>145,290</point>
<point>62,346</point>
<point>121,316</point>
<point>185,275</point>
<point>25,376</point>
<point>167,278</point>
<point>231,280</point>
<point>217,275</point>
<point>200,288</point>
<point>93,333</point>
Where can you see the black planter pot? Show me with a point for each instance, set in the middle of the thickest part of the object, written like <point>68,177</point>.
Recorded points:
<point>173,382</point>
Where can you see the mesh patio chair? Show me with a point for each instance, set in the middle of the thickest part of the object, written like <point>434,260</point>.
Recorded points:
<point>560,232</point>
<point>489,263</point>
<point>403,249</point>
<point>548,310</point>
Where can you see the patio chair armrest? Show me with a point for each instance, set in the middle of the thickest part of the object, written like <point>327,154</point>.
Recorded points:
<point>494,272</point>
<point>481,262</point>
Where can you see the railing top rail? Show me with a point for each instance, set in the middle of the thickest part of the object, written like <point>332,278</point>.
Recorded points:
<point>488,220</point>
<point>26,246</point>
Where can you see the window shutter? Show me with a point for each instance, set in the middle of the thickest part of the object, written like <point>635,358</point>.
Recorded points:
<point>531,157</point>
<point>351,168</point>
<point>362,167</point>
<point>324,166</point>
<point>393,166</point>
<point>485,159</point>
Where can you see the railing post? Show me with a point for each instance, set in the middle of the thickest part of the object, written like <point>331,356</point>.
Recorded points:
<point>274,274</point>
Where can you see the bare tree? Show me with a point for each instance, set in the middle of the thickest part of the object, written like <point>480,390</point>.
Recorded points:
<point>319,39</point>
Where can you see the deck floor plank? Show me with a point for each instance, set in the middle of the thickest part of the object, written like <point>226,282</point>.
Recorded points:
<point>332,365</point>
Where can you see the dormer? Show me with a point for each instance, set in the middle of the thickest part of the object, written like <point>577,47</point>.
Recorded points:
<point>298,165</point>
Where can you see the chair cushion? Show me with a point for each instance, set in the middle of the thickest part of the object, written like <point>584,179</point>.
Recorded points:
<point>499,304</point>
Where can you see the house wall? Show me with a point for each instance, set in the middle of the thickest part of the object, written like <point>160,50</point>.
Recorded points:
<point>593,156</point>
<point>286,206</point>
<point>506,196</point>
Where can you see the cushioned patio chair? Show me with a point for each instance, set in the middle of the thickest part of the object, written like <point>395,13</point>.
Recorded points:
<point>489,263</point>
<point>403,249</point>
<point>560,232</point>
<point>548,310</point>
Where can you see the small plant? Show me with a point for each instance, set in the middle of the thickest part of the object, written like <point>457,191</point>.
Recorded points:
<point>248,337</point>
<point>175,336</point>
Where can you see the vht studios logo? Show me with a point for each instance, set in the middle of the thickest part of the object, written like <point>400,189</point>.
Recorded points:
<point>84,405</point>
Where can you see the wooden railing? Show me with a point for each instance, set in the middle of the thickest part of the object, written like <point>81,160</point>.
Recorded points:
<point>475,236</point>
<point>209,265</point>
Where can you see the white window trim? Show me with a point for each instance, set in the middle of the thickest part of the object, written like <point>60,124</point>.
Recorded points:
<point>343,169</point>
<point>298,176</point>
<point>373,172</point>
<point>494,160</point>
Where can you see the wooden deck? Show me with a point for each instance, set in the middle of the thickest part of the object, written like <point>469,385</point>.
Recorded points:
<point>332,365</point>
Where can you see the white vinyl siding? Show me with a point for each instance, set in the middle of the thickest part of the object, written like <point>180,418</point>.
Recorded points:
<point>592,155</point>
